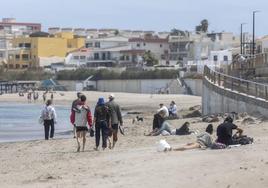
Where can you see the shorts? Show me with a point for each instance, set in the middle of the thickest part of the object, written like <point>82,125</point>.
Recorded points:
<point>115,127</point>
<point>79,129</point>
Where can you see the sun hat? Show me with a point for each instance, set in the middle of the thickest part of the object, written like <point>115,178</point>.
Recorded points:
<point>101,101</point>
<point>111,96</point>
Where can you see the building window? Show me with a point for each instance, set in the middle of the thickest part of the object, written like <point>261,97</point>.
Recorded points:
<point>127,58</point>
<point>161,45</point>
<point>103,56</point>
<point>24,66</point>
<point>215,58</point>
<point>21,45</point>
<point>96,56</point>
<point>76,57</point>
<point>225,58</point>
<point>97,44</point>
<point>83,58</point>
<point>17,57</point>
<point>25,57</point>
<point>144,44</point>
<point>138,45</point>
<point>1,55</point>
<point>88,45</point>
<point>27,45</point>
<point>17,66</point>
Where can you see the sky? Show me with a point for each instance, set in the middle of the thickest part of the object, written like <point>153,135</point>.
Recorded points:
<point>158,15</point>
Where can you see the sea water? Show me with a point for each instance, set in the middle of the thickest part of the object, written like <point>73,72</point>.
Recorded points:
<point>19,122</point>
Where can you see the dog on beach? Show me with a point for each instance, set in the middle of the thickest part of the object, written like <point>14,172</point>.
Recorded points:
<point>137,119</point>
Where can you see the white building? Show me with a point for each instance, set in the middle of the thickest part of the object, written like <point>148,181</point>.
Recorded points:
<point>159,47</point>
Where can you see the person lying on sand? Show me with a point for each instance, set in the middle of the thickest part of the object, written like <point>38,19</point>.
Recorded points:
<point>183,130</point>
<point>203,141</point>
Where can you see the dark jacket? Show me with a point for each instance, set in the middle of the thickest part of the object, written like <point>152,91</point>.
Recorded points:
<point>115,112</point>
<point>102,113</point>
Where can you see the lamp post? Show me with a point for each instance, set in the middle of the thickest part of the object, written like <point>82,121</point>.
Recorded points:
<point>253,39</point>
<point>241,38</point>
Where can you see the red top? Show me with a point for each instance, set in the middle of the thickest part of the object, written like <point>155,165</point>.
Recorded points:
<point>89,116</point>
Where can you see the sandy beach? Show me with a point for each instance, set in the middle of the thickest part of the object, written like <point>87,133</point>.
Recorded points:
<point>135,162</point>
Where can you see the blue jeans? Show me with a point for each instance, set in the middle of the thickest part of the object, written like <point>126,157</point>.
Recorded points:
<point>101,127</point>
<point>164,127</point>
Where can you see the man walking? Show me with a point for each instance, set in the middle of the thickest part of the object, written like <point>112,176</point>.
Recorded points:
<point>75,109</point>
<point>116,117</point>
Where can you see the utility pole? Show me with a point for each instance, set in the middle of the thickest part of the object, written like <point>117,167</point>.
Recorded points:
<point>241,39</point>
<point>253,39</point>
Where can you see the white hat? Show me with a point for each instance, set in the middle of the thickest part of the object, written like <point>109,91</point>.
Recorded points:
<point>111,96</point>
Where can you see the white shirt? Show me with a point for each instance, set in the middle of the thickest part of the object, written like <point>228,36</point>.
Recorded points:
<point>165,109</point>
<point>49,113</point>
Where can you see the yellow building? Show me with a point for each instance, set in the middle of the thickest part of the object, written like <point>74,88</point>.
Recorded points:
<point>30,50</point>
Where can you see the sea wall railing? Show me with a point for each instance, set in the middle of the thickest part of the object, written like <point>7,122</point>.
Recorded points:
<point>239,85</point>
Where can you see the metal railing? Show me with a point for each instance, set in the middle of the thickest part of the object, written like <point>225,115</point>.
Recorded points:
<point>239,85</point>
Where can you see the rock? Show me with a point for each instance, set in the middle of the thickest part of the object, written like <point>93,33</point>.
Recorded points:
<point>195,113</point>
<point>211,119</point>
<point>248,120</point>
<point>197,107</point>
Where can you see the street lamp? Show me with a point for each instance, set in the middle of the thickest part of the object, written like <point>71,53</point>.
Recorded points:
<point>253,40</point>
<point>241,38</point>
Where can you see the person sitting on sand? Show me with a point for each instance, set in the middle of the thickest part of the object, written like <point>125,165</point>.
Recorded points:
<point>225,131</point>
<point>183,130</point>
<point>80,119</point>
<point>164,109</point>
<point>102,123</point>
<point>49,117</point>
<point>165,127</point>
<point>172,109</point>
<point>204,140</point>
<point>159,119</point>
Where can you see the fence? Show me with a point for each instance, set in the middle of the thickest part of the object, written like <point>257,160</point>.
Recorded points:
<point>251,88</point>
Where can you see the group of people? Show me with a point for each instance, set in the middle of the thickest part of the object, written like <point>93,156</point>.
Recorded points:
<point>103,124</point>
<point>107,119</point>
<point>224,133</point>
<point>45,95</point>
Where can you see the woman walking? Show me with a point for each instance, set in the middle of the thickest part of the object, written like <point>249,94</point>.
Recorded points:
<point>102,123</point>
<point>49,117</point>
<point>80,119</point>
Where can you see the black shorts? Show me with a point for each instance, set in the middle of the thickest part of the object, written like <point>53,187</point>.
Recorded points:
<point>79,129</point>
<point>115,127</point>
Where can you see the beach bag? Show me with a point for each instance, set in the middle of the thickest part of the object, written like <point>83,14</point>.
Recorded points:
<point>162,145</point>
<point>40,120</point>
<point>243,140</point>
<point>91,133</point>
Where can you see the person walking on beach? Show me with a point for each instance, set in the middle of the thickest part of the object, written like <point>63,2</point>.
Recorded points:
<point>80,119</point>
<point>74,108</point>
<point>44,96</point>
<point>102,123</point>
<point>49,118</point>
<point>116,117</point>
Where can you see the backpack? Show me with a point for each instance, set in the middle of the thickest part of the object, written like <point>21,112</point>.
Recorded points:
<point>243,140</point>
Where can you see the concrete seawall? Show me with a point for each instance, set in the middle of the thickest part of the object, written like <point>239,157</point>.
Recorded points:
<point>217,99</point>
